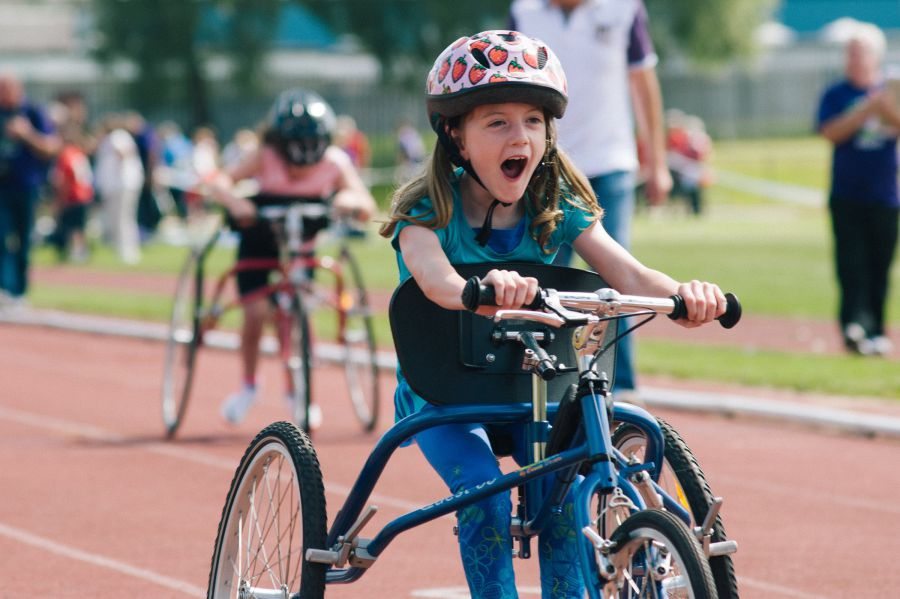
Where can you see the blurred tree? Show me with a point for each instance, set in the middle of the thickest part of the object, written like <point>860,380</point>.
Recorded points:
<point>161,38</point>
<point>707,32</point>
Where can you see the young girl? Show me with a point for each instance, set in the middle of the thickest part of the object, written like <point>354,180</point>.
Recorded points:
<point>492,99</point>
<point>295,159</point>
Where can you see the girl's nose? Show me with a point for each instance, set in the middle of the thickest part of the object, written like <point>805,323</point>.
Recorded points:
<point>519,134</point>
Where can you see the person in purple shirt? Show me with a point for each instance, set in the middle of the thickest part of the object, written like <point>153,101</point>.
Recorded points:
<point>861,118</point>
<point>27,144</point>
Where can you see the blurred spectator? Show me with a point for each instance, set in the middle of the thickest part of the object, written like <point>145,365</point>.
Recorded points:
<point>77,119</point>
<point>689,148</point>
<point>27,144</point>
<point>119,178</point>
<point>175,170</point>
<point>410,150</point>
<point>148,212</point>
<point>205,162</point>
<point>861,119</point>
<point>73,188</point>
<point>354,142</point>
<point>610,64</point>
<point>244,143</point>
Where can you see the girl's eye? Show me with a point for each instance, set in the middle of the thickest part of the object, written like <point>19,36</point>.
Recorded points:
<point>496,124</point>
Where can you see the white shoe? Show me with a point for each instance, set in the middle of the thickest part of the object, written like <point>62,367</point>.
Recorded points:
<point>881,345</point>
<point>315,416</point>
<point>855,340</point>
<point>235,407</point>
<point>315,412</point>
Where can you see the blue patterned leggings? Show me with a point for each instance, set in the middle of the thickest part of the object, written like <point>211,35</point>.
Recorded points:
<point>461,454</point>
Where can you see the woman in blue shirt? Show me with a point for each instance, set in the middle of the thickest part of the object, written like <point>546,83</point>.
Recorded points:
<point>860,117</point>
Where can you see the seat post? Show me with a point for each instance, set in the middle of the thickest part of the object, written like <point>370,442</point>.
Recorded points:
<point>539,414</point>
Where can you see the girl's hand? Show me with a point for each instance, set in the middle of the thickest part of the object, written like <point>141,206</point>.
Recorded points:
<point>511,289</point>
<point>242,210</point>
<point>704,302</point>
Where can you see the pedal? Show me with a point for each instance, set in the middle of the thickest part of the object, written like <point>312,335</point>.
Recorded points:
<point>722,548</point>
<point>347,544</point>
<point>704,532</point>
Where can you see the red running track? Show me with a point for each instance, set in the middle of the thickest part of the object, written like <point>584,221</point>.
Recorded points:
<point>96,504</point>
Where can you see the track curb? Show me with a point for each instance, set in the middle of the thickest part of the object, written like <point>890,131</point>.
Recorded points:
<point>729,404</point>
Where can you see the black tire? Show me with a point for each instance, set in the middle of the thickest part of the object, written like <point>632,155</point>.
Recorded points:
<point>357,338</point>
<point>296,354</point>
<point>683,479</point>
<point>657,541</point>
<point>278,480</point>
<point>182,343</point>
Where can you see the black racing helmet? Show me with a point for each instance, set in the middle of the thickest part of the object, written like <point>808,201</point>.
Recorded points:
<point>300,126</point>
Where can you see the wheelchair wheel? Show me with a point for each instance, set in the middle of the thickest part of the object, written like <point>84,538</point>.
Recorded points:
<point>182,344</point>
<point>274,512</point>
<point>683,479</point>
<point>357,338</point>
<point>655,555</point>
<point>296,354</point>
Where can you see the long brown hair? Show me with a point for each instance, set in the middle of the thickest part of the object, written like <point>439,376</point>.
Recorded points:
<point>557,178</point>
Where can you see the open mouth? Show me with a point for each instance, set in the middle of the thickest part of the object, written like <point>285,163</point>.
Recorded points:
<point>513,167</point>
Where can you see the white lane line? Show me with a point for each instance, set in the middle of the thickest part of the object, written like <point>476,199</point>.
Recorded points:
<point>811,496</point>
<point>776,588</point>
<point>165,449</point>
<point>461,592</point>
<point>94,559</point>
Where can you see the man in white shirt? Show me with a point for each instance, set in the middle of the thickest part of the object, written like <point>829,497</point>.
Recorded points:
<point>609,60</point>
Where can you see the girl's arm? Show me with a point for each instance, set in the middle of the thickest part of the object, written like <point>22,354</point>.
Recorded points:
<point>426,261</point>
<point>704,301</point>
<point>353,197</point>
<point>221,188</point>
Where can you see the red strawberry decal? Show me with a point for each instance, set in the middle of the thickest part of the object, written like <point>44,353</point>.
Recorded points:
<point>530,58</point>
<point>497,78</point>
<point>515,67</point>
<point>445,68</point>
<point>498,55</point>
<point>477,73</point>
<point>459,67</point>
<point>480,44</point>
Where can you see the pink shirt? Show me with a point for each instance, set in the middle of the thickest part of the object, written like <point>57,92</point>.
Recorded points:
<point>322,179</point>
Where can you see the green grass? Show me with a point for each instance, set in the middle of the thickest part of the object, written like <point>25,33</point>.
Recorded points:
<point>832,374</point>
<point>776,258</point>
<point>798,161</point>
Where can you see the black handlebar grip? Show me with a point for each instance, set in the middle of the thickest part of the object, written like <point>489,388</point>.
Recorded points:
<point>475,295</point>
<point>730,318</point>
<point>472,296</point>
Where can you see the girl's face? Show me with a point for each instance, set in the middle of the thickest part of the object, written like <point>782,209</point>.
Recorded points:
<point>505,143</point>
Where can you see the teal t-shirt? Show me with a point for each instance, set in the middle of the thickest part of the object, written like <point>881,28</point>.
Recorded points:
<point>458,242</point>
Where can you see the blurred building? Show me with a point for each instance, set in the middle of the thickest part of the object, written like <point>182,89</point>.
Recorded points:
<point>776,91</point>
<point>48,43</point>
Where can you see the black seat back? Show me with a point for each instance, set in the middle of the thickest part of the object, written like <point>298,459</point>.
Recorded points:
<point>450,357</point>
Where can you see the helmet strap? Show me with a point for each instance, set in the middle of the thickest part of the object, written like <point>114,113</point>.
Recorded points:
<point>445,139</point>
<point>484,234</point>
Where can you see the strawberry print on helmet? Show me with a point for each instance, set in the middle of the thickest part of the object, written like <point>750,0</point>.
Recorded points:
<point>493,67</point>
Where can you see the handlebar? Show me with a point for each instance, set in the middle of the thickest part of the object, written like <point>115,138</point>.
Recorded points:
<point>601,302</point>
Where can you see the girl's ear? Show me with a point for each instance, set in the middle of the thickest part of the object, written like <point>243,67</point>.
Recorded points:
<point>455,134</point>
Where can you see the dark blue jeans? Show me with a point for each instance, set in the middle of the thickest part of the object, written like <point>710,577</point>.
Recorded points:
<point>17,209</point>
<point>615,192</point>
